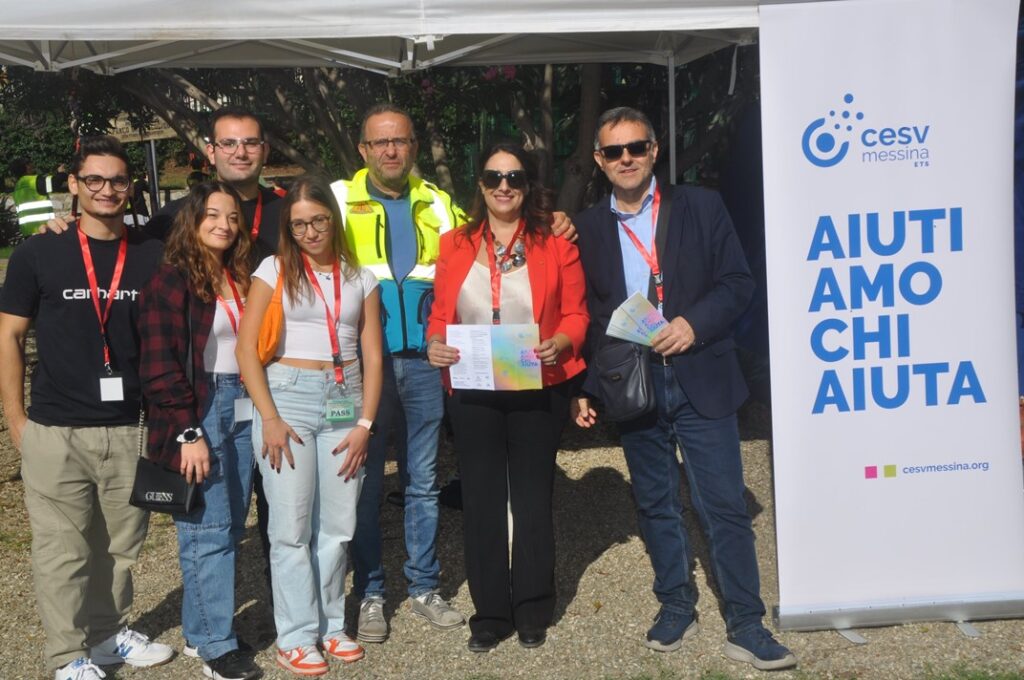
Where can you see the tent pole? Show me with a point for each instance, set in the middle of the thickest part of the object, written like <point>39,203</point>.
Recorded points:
<point>671,117</point>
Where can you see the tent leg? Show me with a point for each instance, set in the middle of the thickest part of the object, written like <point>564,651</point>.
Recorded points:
<point>672,118</point>
<point>154,176</point>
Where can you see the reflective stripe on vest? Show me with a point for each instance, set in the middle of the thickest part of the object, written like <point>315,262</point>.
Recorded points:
<point>383,271</point>
<point>36,218</point>
<point>34,205</point>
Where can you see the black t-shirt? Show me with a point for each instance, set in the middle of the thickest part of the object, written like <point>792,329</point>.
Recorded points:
<point>159,226</point>
<point>46,281</point>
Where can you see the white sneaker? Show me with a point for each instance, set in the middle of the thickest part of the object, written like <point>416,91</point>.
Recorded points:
<point>190,651</point>
<point>132,648</point>
<point>81,668</point>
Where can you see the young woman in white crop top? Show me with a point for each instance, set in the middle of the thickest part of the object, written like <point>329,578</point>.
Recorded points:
<point>314,417</point>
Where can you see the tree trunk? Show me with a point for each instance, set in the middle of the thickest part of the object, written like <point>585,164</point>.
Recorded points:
<point>440,155</point>
<point>320,102</point>
<point>579,167</point>
<point>547,128</point>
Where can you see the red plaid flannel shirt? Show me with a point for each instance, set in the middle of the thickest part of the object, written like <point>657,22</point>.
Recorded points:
<point>172,404</point>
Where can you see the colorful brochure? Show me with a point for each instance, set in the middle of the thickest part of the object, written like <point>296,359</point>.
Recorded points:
<point>636,320</point>
<point>493,357</point>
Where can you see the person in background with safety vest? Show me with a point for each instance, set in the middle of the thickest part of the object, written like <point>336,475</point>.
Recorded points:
<point>31,194</point>
<point>393,224</point>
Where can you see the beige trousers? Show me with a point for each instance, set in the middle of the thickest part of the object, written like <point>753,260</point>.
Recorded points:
<point>85,535</point>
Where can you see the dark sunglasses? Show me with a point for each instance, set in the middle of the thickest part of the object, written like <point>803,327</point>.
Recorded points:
<point>637,149</point>
<point>491,179</point>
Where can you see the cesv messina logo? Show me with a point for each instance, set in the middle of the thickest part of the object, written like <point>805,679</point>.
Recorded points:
<point>830,139</point>
<point>826,140</point>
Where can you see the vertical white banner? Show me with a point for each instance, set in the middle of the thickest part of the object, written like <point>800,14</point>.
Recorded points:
<point>888,137</point>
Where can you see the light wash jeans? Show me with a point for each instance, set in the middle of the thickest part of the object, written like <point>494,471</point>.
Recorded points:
<point>411,402</point>
<point>312,509</point>
<point>208,537</point>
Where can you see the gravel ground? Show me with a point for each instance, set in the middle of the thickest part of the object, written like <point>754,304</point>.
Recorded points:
<point>605,604</point>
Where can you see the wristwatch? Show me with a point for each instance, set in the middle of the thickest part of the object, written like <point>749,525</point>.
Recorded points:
<point>190,435</point>
<point>368,424</point>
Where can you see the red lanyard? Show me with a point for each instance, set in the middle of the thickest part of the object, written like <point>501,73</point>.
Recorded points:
<point>495,266</point>
<point>258,216</point>
<point>651,258</point>
<point>332,329</point>
<point>94,293</point>
<point>227,308</point>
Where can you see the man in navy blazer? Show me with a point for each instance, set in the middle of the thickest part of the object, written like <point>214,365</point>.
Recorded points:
<point>705,286</point>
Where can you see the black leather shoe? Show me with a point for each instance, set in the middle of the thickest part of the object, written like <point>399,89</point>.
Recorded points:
<point>534,639</point>
<point>485,641</point>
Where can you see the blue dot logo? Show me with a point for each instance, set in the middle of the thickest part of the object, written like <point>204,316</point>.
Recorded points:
<point>825,140</point>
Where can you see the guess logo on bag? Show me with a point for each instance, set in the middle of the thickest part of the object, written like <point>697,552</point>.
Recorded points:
<point>159,496</point>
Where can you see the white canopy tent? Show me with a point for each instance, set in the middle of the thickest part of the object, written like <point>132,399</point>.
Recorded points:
<point>389,35</point>
<point>385,36</point>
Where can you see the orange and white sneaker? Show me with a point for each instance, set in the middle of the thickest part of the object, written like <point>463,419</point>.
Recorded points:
<point>343,647</point>
<point>305,660</point>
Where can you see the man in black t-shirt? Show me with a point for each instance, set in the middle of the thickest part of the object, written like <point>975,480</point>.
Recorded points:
<point>79,437</point>
<point>238,151</point>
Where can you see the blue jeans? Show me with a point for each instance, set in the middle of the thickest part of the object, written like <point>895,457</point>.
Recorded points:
<point>312,508</point>
<point>711,458</point>
<point>208,537</point>
<point>412,402</point>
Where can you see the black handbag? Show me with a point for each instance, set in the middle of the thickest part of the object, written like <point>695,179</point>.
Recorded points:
<point>623,381</point>
<point>158,488</point>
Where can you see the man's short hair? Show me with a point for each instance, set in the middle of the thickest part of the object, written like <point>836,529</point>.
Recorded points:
<point>378,109</point>
<point>622,114</point>
<point>102,145</point>
<point>18,167</point>
<point>230,112</point>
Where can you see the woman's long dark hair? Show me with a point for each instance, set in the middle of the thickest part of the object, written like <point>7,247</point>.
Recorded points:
<point>318,190</point>
<point>537,199</point>
<point>201,266</point>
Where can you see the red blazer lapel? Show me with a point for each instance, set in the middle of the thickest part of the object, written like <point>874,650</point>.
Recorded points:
<point>536,266</point>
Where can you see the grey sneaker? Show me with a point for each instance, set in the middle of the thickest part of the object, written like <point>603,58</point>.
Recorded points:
<point>373,627</point>
<point>433,608</point>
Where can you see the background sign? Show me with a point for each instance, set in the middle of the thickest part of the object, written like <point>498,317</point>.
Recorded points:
<point>888,138</point>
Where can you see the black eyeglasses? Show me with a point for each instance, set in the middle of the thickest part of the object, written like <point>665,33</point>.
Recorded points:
<point>381,145</point>
<point>319,224</point>
<point>491,179</point>
<point>637,149</point>
<point>95,182</point>
<point>230,144</point>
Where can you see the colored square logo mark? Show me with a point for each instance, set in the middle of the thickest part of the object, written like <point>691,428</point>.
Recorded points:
<point>890,470</point>
<point>871,472</point>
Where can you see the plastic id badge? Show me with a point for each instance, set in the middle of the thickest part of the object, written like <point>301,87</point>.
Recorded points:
<point>341,410</point>
<point>243,410</point>
<point>111,388</point>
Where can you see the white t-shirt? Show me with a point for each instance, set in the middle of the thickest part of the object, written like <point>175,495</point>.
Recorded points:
<point>219,354</point>
<point>305,333</point>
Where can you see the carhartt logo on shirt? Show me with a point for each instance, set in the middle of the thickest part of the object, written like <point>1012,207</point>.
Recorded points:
<point>84,294</point>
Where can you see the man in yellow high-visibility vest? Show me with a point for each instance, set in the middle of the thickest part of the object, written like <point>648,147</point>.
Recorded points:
<point>31,194</point>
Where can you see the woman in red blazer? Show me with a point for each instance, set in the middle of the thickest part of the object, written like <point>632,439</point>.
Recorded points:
<point>506,258</point>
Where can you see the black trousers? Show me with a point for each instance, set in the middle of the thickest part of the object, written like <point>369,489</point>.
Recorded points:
<point>506,444</point>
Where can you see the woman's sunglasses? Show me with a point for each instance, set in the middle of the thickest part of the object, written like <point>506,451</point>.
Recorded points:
<point>491,179</point>
<point>637,149</point>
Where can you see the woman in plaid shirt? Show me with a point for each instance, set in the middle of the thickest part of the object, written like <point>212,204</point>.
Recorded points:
<point>200,420</point>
